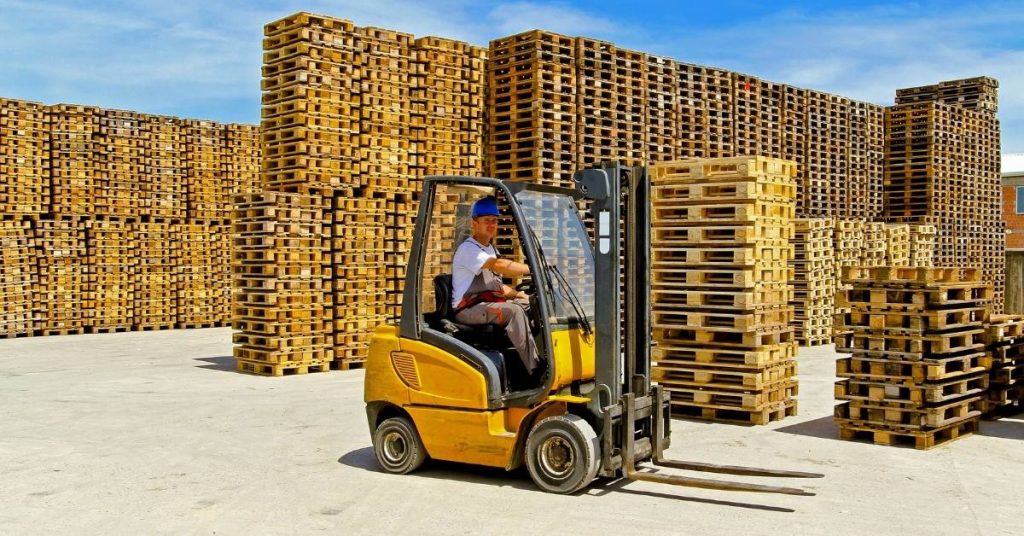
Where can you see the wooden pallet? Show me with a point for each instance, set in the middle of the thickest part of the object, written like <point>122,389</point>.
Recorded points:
<point>920,439</point>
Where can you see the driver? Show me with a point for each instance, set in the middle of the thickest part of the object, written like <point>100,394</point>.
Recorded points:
<point>478,295</point>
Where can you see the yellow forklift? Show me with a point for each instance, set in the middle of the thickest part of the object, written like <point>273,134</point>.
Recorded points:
<point>436,388</point>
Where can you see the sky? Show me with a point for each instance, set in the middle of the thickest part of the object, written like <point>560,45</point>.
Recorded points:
<point>202,59</point>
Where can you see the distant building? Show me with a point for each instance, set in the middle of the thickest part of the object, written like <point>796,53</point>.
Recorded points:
<point>1013,209</point>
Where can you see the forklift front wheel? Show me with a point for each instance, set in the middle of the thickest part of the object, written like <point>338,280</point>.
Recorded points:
<point>562,454</point>
<point>398,447</point>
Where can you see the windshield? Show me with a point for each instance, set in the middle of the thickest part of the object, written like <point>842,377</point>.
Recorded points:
<point>566,248</point>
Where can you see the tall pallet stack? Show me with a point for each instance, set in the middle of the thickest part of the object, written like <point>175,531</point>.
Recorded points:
<point>386,148</point>
<point>757,111</point>
<point>448,99</point>
<point>942,169</point>
<point>241,165</point>
<point>18,278</point>
<point>814,281</point>
<point>918,369</point>
<point>610,108</point>
<point>310,143</point>
<point>74,146</point>
<point>922,245</point>
<point>721,287</point>
<point>24,157</point>
<point>163,184</point>
<point>795,143</point>
<point>110,285</point>
<point>279,281</point>
<point>61,254</point>
<point>155,281</point>
<point>1004,337</point>
<point>532,107</point>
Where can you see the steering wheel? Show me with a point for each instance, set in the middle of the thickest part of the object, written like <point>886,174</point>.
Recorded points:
<point>526,286</point>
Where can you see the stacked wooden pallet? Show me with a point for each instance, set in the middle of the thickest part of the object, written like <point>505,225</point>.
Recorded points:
<point>24,158</point>
<point>280,284</point>
<point>110,272</point>
<point>199,296</point>
<point>873,253</point>
<point>206,187</point>
<point>758,109</point>
<point>721,287</point>
<point>74,145</point>
<point>662,109</point>
<point>922,245</point>
<point>919,368</point>
<point>1004,337</point>
<point>942,170</point>
<point>360,253</point>
<point>980,93</point>
<point>611,85</point>
<point>241,165</point>
<point>61,253</point>
<point>18,278</point>
<point>163,183</point>
<point>814,281</point>
<point>532,108</point>
<point>121,160</point>
<point>897,246</point>
<point>705,114</point>
<point>155,281</point>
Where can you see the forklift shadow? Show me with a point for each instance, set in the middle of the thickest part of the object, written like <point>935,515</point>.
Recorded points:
<point>604,486</point>
<point>364,459</point>
<point>221,362</point>
<point>823,427</point>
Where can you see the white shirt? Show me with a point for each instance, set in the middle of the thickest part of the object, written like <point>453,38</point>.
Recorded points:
<point>469,259</point>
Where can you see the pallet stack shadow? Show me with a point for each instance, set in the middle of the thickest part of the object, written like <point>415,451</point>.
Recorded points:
<point>918,369</point>
<point>353,118</point>
<point>942,169</point>
<point>1004,337</point>
<point>721,287</point>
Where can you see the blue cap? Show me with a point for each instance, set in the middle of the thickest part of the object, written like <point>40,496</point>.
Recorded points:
<point>487,206</point>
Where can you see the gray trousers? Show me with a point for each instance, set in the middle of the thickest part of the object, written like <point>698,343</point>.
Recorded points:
<point>511,315</point>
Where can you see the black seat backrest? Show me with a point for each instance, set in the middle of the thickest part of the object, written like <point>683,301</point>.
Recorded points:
<point>443,296</point>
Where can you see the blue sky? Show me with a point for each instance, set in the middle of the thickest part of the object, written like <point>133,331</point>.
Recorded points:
<point>202,58</point>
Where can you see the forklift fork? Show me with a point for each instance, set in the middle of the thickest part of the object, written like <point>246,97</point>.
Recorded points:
<point>631,472</point>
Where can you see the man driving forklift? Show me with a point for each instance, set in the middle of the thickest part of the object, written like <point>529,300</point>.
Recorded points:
<point>478,294</point>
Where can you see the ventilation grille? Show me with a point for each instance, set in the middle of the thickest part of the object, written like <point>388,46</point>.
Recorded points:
<point>405,366</point>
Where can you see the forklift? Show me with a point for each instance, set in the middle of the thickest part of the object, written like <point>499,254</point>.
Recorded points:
<point>439,389</point>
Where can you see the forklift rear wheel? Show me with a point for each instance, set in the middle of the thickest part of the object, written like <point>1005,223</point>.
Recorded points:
<point>562,454</point>
<point>398,447</point>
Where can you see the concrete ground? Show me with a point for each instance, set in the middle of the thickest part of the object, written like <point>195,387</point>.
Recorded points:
<point>153,433</point>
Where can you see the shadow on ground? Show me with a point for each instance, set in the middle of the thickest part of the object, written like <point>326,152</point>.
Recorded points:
<point>221,362</point>
<point>364,459</point>
<point>824,427</point>
<point>1009,427</point>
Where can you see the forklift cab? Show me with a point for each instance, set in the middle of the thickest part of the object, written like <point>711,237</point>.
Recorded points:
<point>560,286</point>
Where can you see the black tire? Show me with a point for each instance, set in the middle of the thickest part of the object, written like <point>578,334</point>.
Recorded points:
<point>398,447</point>
<point>562,454</point>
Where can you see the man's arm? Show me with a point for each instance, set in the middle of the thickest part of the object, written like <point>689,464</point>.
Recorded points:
<point>507,267</point>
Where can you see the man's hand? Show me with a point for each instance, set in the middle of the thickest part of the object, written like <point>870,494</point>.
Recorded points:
<point>513,294</point>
